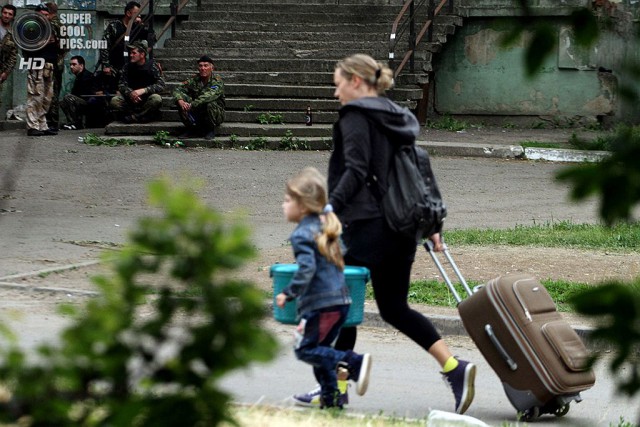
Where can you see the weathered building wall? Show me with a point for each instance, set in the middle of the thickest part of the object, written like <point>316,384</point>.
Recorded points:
<point>475,75</point>
<point>619,48</point>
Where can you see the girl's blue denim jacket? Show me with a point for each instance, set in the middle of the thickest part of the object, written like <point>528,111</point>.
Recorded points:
<point>318,283</point>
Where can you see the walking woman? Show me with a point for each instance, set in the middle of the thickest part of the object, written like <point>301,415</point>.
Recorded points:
<point>369,125</point>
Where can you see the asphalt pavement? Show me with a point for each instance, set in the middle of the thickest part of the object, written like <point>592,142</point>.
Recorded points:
<point>405,381</point>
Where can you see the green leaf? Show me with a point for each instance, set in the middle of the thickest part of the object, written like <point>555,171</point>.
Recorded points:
<point>585,27</point>
<point>541,47</point>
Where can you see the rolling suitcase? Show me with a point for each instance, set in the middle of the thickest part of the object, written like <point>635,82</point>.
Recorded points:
<point>540,360</point>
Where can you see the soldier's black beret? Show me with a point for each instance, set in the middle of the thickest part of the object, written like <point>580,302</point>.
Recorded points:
<point>205,58</point>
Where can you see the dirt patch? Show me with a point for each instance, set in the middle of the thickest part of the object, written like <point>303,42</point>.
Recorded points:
<point>477,264</point>
<point>31,301</point>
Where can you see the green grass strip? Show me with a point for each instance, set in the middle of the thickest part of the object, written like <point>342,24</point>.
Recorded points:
<point>436,293</point>
<point>564,234</point>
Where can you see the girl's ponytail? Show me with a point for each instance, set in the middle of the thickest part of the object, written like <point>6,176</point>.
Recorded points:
<point>329,239</point>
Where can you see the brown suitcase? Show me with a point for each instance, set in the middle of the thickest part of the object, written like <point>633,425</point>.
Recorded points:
<point>540,360</point>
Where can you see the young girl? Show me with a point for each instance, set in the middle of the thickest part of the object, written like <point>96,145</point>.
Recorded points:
<point>319,287</point>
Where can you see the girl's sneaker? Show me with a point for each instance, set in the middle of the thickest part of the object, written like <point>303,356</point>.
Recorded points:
<point>359,369</point>
<point>312,399</point>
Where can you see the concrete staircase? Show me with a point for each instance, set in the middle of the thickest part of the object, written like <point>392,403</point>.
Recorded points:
<point>278,56</point>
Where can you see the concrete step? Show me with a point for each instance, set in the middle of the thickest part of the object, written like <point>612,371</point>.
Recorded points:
<point>273,39</point>
<point>259,4</point>
<point>282,53</point>
<point>295,10</point>
<point>256,116</point>
<point>339,16</point>
<point>306,92</point>
<point>251,91</point>
<point>371,14</point>
<point>441,25</point>
<point>249,130</point>
<point>238,143</point>
<point>279,104</point>
<point>207,43</point>
<point>217,36</point>
<point>277,78</point>
<point>272,65</point>
<point>251,108</point>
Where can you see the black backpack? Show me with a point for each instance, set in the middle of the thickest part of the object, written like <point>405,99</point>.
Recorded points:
<point>412,204</point>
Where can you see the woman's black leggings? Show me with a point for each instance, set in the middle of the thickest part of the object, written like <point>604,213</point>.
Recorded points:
<point>390,279</point>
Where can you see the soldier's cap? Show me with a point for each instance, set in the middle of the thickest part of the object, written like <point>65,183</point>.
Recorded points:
<point>205,58</point>
<point>42,7</point>
<point>141,45</point>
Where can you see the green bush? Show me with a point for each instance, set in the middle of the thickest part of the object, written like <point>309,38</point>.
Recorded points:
<point>270,119</point>
<point>446,122</point>
<point>121,365</point>
<point>290,143</point>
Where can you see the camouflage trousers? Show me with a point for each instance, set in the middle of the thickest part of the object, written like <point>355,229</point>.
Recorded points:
<point>39,94</point>
<point>53,115</point>
<point>149,109</point>
<point>74,108</point>
<point>205,117</point>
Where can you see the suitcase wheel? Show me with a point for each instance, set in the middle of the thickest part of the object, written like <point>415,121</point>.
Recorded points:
<point>529,414</point>
<point>534,412</point>
<point>562,410</point>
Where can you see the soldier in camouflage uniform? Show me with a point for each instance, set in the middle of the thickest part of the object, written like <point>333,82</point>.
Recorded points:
<point>141,84</point>
<point>200,101</point>
<point>40,83</point>
<point>53,115</point>
<point>112,58</point>
<point>8,49</point>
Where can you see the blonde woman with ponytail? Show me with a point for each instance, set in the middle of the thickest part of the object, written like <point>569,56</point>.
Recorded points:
<point>368,128</point>
<point>318,286</point>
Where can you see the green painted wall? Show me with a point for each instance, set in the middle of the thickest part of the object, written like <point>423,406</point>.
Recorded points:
<point>475,75</point>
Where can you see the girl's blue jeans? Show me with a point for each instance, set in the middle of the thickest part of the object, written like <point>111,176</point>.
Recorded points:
<point>320,328</point>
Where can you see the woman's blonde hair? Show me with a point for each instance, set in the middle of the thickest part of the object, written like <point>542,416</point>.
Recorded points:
<point>309,189</point>
<point>374,73</point>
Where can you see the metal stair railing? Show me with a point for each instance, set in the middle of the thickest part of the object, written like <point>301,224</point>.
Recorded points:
<point>176,7</point>
<point>406,21</point>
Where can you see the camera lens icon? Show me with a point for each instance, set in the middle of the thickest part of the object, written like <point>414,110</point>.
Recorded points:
<point>31,31</point>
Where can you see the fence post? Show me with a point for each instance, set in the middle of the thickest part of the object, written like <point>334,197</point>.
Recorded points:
<point>412,34</point>
<point>430,17</point>
<point>174,13</point>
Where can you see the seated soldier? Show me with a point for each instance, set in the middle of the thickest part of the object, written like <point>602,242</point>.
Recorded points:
<point>141,84</point>
<point>82,101</point>
<point>200,101</point>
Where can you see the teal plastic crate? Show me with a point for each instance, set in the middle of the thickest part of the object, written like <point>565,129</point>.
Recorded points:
<point>356,278</point>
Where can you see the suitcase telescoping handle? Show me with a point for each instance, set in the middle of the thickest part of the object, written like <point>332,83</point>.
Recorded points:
<point>428,245</point>
<point>488,329</point>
